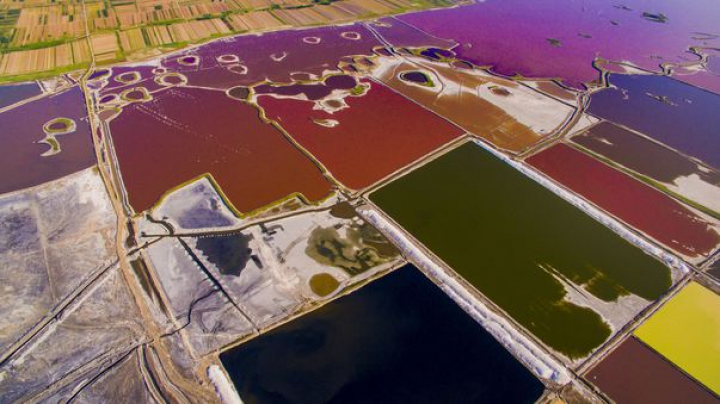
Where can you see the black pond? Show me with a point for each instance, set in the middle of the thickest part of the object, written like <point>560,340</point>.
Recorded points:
<point>399,339</point>
<point>229,253</point>
<point>415,77</point>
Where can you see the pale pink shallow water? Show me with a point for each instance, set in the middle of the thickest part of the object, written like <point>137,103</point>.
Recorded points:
<point>512,35</point>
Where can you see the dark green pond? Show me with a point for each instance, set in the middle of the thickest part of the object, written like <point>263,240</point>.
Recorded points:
<point>398,340</point>
<point>507,235</point>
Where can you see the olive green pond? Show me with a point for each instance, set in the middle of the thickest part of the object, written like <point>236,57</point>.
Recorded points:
<point>517,242</point>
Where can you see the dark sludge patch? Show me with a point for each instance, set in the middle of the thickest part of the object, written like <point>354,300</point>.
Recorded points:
<point>239,93</point>
<point>343,210</point>
<point>437,54</point>
<point>399,339</point>
<point>460,64</point>
<point>230,253</point>
<point>350,68</point>
<point>300,76</point>
<point>99,74</point>
<point>341,82</point>
<point>383,52</point>
<point>417,78</point>
<point>189,60</point>
<point>107,98</point>
<point>362,247</point>
<point>501,91</point>
<point>334,104</point>
<point>655,17</point>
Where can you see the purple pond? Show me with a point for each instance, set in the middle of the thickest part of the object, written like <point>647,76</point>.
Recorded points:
<point>679,115</point>
<point>23,130</point>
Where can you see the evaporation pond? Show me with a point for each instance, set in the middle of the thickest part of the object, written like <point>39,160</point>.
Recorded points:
<point>687,332</point>
<point>521,245</point>
<point>399,339</point>
<point>10,94</point>
<point>676,114</point>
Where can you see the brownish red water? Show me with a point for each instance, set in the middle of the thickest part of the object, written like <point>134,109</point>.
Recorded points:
<point>641,155</point>
<point>378,134</point>
<point>633,373</point>
<point>186,132</point>
<point>633,202</point>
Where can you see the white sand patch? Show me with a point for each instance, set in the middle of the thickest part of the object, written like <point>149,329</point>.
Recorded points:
<point>223,387</point>
<point>695,188</point>
<point>540,113</point>
<point>583,124</point>
<point>616,313</point>
<point>196,206</point>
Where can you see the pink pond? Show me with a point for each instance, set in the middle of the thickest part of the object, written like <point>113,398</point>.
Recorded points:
<point>561,38</point>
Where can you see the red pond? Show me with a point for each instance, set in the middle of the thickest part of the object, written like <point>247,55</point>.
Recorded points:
<point>634,373</point>
<point>186,132</point>
<point>378,134</point>
<point>642,207</point>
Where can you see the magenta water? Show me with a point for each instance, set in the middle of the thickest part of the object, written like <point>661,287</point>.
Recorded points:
<point>561,38</point>
<point>273,56</point>
<point>22,129</point>
<point>10,94</point>
<point>679,115</point>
